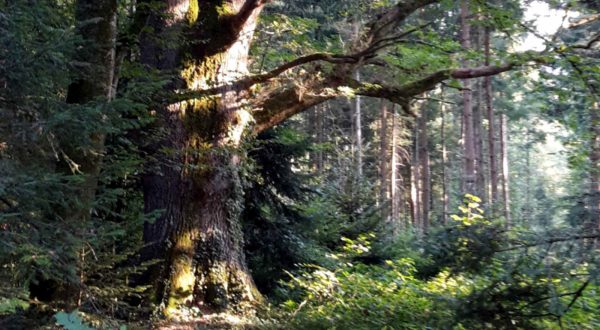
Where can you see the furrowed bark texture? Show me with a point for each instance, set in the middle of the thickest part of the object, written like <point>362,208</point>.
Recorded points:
<point>198,187</point>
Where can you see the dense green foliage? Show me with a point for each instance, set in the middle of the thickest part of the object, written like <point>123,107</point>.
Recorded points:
<point>483,280</point>
<point>319,237</point>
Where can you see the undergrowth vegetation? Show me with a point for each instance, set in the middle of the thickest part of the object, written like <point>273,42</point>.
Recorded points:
<point>489,281</point>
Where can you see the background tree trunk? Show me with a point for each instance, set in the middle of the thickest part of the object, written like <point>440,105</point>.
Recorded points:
<point>415,179</point>
<point>487,82</point>
<point>358,131</point>
<point>395,194</point>
<point>505,173</point>
<point>480,171</point>
<point>478,137</point>
<point>445,195</point>
<point>594,158</point>
<point>97,27</point>
<point>383,165</point>
<point>468,136</point>
<point>425,177</point>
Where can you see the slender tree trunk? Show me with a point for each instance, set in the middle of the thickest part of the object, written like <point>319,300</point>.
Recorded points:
<point>415,180</point>
<point>383,165</point>
<point>527,209</point>
<point>358,131</point>
<point>478,137</point>
<point>311,128</point>
<point>469,140</point>
<point>491,126</point>
<point>320,134</point>
<point>394,193</point>
<point>480,159</point>
<point>594,158</point>
<point>198,187</point>
<point>444,160</point>
<point>505,173</point>
<point>425,177</point>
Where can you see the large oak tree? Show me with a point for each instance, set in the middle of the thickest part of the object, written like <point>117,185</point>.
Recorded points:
<point>213,105</point>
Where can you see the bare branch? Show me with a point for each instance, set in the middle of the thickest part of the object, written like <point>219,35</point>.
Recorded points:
<point>578,294</point>
<point>326,57</point>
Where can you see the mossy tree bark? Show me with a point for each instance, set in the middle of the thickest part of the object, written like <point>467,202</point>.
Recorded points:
<point>199,187</point>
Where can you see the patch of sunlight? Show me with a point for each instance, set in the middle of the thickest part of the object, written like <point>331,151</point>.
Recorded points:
<point>550,158</point>
<point>546,21</point>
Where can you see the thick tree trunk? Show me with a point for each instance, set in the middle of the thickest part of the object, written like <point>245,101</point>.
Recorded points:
<point>198,186</point>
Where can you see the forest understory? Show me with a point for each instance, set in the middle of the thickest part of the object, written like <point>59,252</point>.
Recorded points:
<point>301,164</point>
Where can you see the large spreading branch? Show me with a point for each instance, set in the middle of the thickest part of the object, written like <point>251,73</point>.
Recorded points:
<point>275,106</point>
<point>279,99</point>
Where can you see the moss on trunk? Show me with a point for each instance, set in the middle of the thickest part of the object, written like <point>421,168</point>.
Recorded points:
<point>205,262</point>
